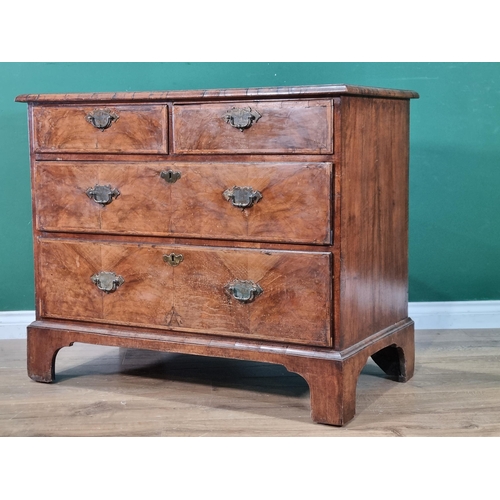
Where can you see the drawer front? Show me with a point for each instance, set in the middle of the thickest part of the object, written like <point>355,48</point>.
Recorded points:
<point>282,202</point>
<point>258,294</point>
<point>254,127</point>
<point>106,129</point>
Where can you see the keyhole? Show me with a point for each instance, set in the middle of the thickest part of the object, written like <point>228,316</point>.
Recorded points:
<point>170,176</point>
<point>173,259</point>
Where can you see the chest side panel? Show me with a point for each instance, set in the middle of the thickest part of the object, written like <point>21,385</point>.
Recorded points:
<point>374,217</point>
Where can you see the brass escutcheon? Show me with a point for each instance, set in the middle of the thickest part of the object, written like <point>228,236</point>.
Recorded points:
<point>170,176</point>
<point>173,259</point>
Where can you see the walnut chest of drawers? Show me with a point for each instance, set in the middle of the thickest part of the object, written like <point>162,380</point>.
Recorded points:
<point>265,224</point>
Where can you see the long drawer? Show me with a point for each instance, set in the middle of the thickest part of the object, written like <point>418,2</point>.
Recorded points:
<point>275,202</point>
<point>259,294</point>
<point>254,127</point>
<point>107,129</point>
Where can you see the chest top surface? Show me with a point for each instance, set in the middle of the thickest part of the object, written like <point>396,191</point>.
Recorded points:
<point>219,94</point>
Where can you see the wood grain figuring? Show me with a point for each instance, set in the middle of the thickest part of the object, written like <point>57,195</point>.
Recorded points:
<point>60,200</point>
<point>285,127</point>
<point>192,296</point>
<point>294,206</point>
<point>374,217</point>
<point>140,129</point>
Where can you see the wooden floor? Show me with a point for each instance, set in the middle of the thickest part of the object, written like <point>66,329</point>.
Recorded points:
<point>106,391</point>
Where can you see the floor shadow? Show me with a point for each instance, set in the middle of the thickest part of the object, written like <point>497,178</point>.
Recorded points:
<point>198,370</point>
<point>218,373</point>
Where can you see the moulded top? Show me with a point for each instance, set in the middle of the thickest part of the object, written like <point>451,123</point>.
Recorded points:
<point>327,90</point>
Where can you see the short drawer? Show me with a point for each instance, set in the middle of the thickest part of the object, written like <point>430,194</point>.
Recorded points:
<point>259,294</point>
<point>104,129</point>
<point>254,127</point>
<point>275,202</point>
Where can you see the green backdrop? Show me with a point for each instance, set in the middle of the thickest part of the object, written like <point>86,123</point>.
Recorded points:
<point>454,161</point>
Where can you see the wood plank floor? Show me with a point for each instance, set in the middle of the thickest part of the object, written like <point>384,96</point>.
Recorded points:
<point>105,391</point>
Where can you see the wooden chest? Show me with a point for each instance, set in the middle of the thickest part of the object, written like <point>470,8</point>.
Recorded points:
<point>265,224</point>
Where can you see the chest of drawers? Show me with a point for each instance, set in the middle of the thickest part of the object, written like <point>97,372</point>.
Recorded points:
<point>265,224</point>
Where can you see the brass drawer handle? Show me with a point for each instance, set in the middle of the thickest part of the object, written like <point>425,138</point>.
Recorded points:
<point>243,291</point>
<point>170,176</point>
<point>107,281</point>
<point>242,197</point>
<point>241,118</point>
<point>173,259</point>
<point>102,118</point>
<point>102,194</point>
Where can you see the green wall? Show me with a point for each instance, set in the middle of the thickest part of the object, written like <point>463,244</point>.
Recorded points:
<point>455,157</point>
